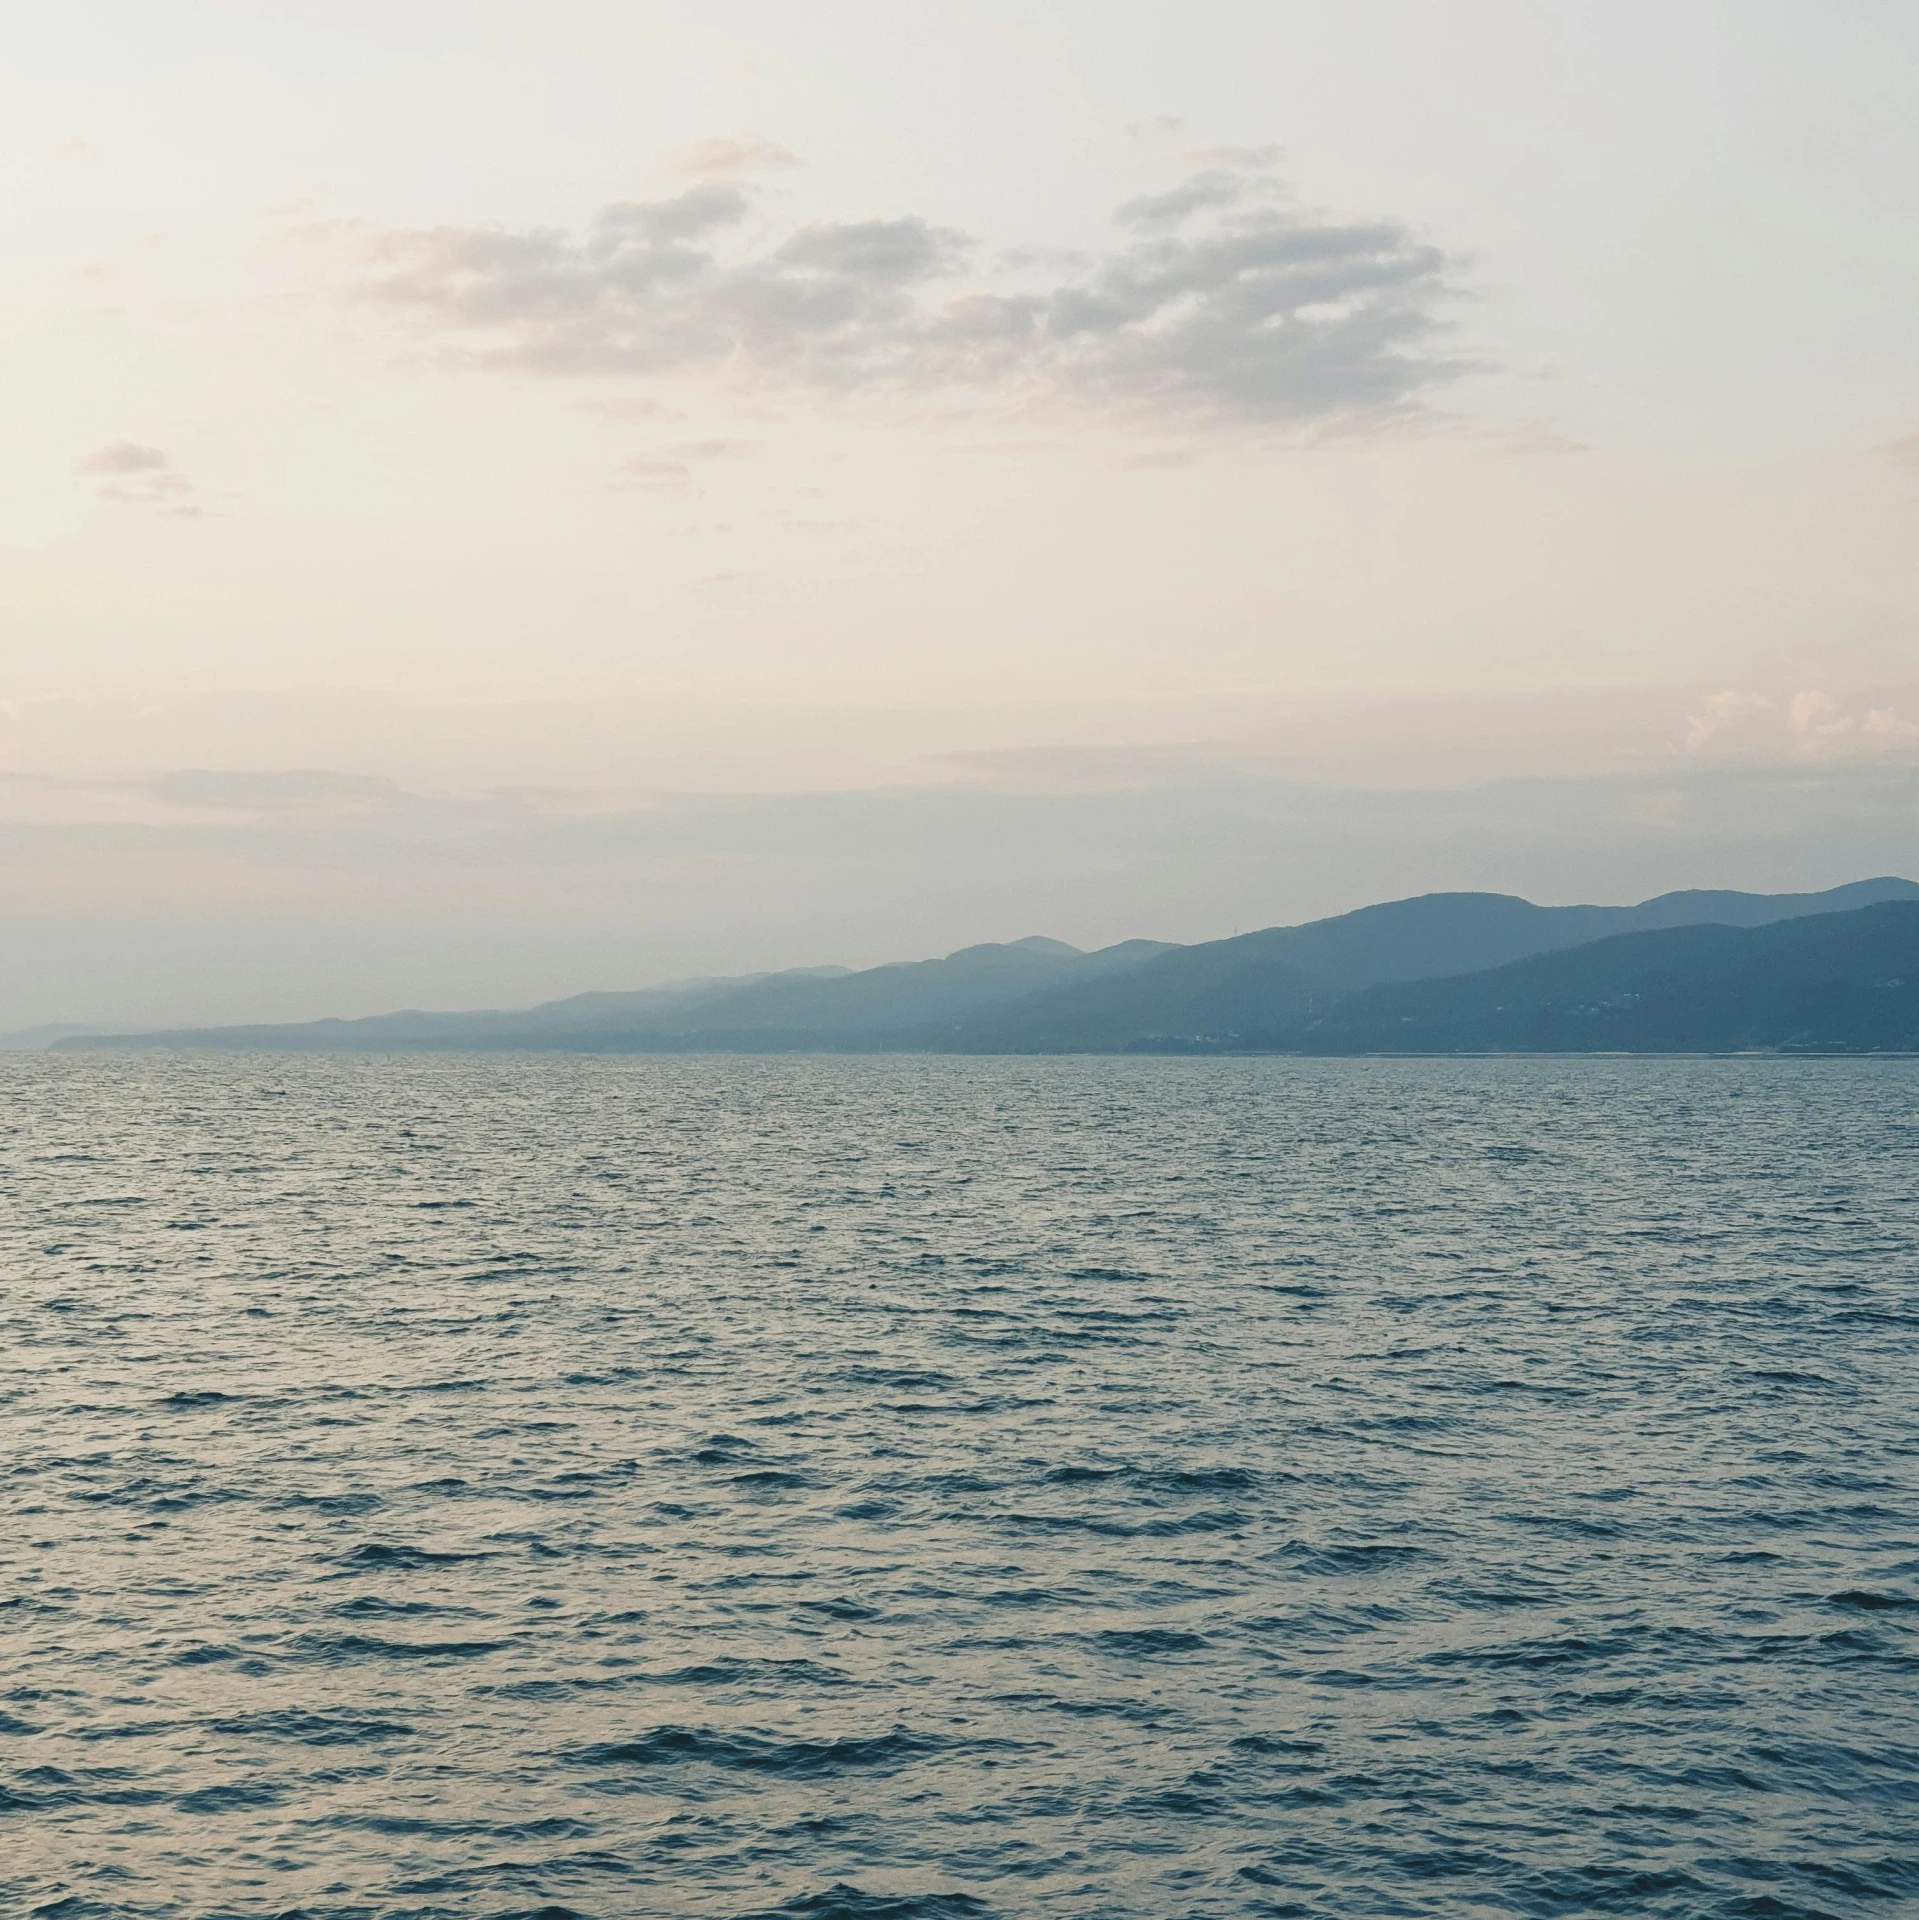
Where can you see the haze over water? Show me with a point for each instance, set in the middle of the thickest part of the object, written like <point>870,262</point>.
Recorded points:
<point>939,1487</point>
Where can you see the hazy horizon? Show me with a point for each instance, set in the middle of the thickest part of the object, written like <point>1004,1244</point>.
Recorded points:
<point>505,502</point>
<point>820,964</point>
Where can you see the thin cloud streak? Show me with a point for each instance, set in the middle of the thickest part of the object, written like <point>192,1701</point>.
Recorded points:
<point>126,473</point>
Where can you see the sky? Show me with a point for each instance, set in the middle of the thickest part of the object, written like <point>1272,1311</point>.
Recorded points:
<point>500,500</point>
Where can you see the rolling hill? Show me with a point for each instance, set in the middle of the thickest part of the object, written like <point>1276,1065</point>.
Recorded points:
<point>1830,983</point>
<point>1314,987</point>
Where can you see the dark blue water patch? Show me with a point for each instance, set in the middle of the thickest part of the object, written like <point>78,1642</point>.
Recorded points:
<point>839,1607</point>
<point>157,1496</point>
<point>500,1876</point>
<point>234,1796</point>
<point>313,1727</point>
<point>377,1606</point>
<point>49,1789</point>
<point>333,1648</point>
<point>1109,1527</point>
<point>742,1751</point>
<point>1354,1560</point>
<point>386,1557</point>
<point>1147,1642</point>
<point>336,1503</point>
<point>868,1510</point>
<point>843,1902</point>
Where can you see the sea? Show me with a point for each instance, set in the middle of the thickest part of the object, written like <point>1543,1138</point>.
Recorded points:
<point>905,1488</point>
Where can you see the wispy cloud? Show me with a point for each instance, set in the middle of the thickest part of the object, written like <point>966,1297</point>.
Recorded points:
<point>1808,725</point>
<point>130,474</point>
<point>1902,453</point>
<point>728,159</point>
<point>1220,301</point>
<point>671,469</point>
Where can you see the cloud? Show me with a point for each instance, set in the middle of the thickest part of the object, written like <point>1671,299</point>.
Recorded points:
<point>1254,158</point>
<point>130,474</point>
<point>649,474</point>
<point>1902,453</point>
<point>670,469</point>
<point>1808,725</point>
<point>728,159</point>
<point>1721,713</point>
<point>1220,301</point>
<point>123,457</point>
<point>1204,192</point>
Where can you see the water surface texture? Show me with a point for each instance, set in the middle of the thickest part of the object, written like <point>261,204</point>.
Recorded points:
<point>898,1489</point>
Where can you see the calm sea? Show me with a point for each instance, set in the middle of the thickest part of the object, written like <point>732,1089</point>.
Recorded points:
<point>905,1489</point>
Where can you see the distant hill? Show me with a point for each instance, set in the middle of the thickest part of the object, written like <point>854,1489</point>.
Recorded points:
<point>1259,983</point>
<point>1829,983</point>
<point>784,1013</point>
<point>815,1007</point>
<point>557,1024</point>
<point>39,1039</point>
<point>1268,989</point>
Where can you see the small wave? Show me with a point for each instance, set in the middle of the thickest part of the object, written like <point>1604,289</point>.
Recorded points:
<point>202,1656</point>
<point>1573,1650</point>
<point>551,1827</point>
<point>743,1752</point>
<point>307,1727</point>
<point>1276,1744</point>
<point>1139,1713</point>
<point>232,1797</point>
<point>1213,1520</point>
<point>328,1502</point>
<point>1569,1526</point>
<point>1362,1557</point>
<point>330,1647</point>
<point>1148,1640</point>
<point>851,1903</point>
<point>373,1606</point>
<point>839,1609</point>
<point>388,1556</point>
<point>52,1789</point>
<point>1208,1479</point>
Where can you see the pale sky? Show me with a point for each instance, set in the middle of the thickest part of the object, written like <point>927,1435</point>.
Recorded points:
<point>500,500</point>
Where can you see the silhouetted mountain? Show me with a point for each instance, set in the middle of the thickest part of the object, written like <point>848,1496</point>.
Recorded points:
<point>805,1008</point>
<point>1042,996</point>
<point>557,1023</point>
<point>1259,983</point>
<point>783,1013</point>
<point>1828,983</point>
<point>39,1039</point>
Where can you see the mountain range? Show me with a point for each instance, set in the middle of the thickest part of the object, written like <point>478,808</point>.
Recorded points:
<point>1441,973</point>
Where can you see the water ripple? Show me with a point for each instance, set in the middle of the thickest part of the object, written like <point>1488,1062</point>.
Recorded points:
<point>546,1489</point>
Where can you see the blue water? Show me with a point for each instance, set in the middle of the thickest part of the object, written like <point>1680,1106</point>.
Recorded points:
<point>906,1489</point>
